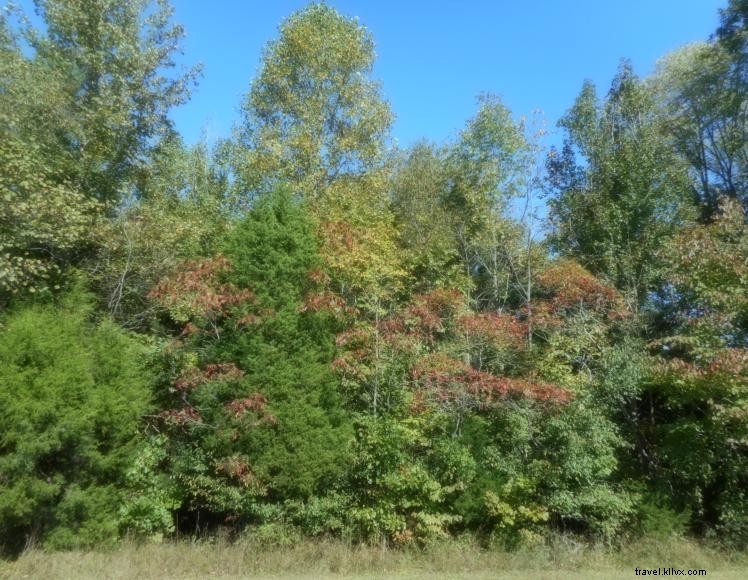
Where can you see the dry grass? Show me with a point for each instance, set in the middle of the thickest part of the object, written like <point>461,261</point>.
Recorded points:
<point>327,559</point>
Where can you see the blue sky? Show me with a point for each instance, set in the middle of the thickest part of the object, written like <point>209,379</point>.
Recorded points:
<point>435,56</point>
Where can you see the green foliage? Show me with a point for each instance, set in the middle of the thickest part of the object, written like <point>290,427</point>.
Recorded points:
<point>82,103</point>
<point>395,494</point>
<point>630,196</point>
<point>419,186</point>
<point>697,427</point>
<point>273,250</point>
<point>72,392</point>
<point>287,357</point>
<point>450,201</point>
<point>338,339</point>
<point>659,521</point>
<point>252,409</point>
<point>313,115</point>
<point>702,88</point>
<point>358,244</point>
<point>43,224</point>
<point>489,164</point>
<point>584,443</point>
<point>44,219</point>
<point>698,430</point>
<point>515,517</point>
<point>183,213</point>
<point>150,500</point>
<point>536,468</point>
<point>116,58</point>
<point>700,102</point>
<point>709,269</point>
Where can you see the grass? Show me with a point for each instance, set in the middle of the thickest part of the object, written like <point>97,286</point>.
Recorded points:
<point>460,559</point>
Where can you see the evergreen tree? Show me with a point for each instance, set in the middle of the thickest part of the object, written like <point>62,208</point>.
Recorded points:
<point>72,394</point>
<point>287,356</point>
<point>252,409</point>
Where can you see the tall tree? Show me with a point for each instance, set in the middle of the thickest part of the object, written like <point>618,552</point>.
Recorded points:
<point>117,59</point>
<point>253,409</point>
<point>44,218</point>
<point>703,102</point>
<point>83,103</point>
<point>614,210</point>
<point>313,114</point>
<point>450,201</point>
<point>420,182</point>
<point>695,434</point>
<point>703,89</point>
<point>288,355</point>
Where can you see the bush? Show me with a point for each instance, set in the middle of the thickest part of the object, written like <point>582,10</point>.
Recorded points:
<point>72,393</point>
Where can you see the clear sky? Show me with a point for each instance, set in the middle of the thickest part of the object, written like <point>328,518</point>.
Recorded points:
<point>435,56</point>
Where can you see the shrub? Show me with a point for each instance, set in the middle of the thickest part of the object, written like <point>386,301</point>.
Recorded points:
<point>72,393</point>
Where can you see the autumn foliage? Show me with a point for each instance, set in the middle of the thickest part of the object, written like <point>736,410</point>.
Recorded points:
<point>197,290</point>
<point>311,331</point>
<point>452,382</point>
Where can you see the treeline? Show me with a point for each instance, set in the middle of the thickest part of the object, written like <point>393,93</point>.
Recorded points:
<point>307,331</point>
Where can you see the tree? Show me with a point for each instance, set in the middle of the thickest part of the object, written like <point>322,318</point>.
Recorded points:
<point>630,196</point>
<point>182,214</point>
<point>313,115</point>
<point>115,59</point>
<point>359,243</point>
<point>82,103</point>
<point>731,38</point>
<point>489,165</point>
<point>72,395</point>
<point>709,273</point>
<point>703,105</point>
<point>693,430</point>
<point>419,185</point>
<point>314,121</point>
<point>450,202</point>
<point>702,87</point>
<point>252,410</point>
<point>45,220</point>
<point>43,223</point>
<point>288,357</point>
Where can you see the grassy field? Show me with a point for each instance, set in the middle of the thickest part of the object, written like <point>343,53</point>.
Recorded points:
<point>458,560</point>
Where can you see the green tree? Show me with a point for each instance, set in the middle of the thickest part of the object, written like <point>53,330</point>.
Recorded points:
<point>703,105</point>
<point>252,409</point>
<point>182,214</point>
<point>273,252</point>
<point>44,219</point>
<point>702,88</point>
<point>116,58</point>
<point>692,429</point>
<point>489,165</point>
<point>359,243</point>
<point>82,104</point>
<point>315,121</point>
<point>43,223</point>
<point>419,185</point>
<point>450,203</point>
<point>72,395</point>
<point>631,194</point>
<point>313,115</point>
